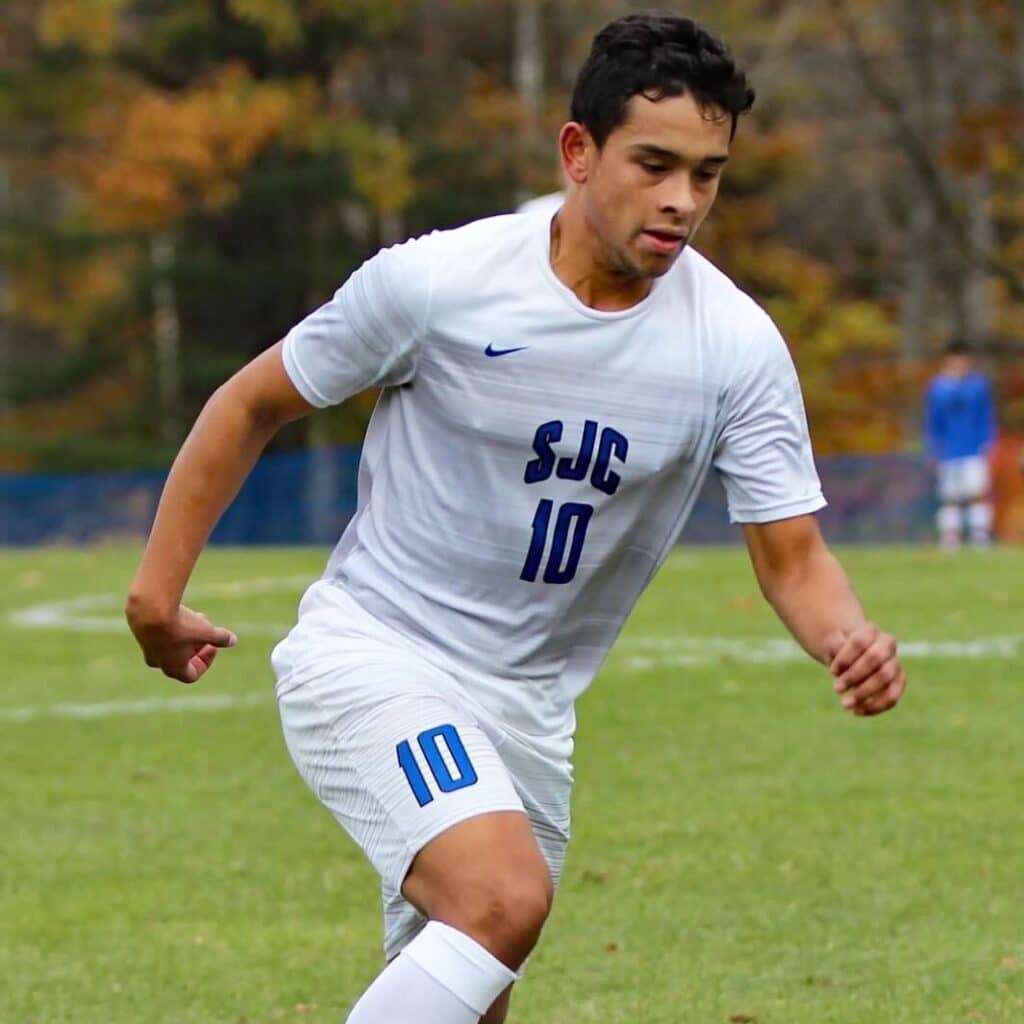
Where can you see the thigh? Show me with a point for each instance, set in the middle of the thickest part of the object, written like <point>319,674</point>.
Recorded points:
<point>950,473</point>
<point>976,478</point>
<point>386,747</point>
<point>544,786</point>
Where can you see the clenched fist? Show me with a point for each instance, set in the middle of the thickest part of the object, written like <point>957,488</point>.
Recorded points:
<point>182,645</point>
<point>867,670</point>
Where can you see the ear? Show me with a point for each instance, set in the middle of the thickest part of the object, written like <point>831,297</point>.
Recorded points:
<point>576,148</point>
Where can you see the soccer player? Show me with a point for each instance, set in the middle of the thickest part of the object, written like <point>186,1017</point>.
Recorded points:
<point>553,396</point>
<point>960,429</point>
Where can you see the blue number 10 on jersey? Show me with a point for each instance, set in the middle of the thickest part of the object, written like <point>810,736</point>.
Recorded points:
<point>570,531</point>
<point>429,743</point>
<point>573,518</point>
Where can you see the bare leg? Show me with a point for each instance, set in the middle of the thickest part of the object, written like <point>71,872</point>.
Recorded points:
<point>486,877</point>
<point>486,891</point>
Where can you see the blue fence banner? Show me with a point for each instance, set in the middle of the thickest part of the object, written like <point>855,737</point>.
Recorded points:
<point>307,497</point>
<point>872,499</point>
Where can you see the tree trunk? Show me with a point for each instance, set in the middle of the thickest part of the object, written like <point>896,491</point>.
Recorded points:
<point>6,334</point>
<point>166,336</point>
<point>919,260</point>
<point>977,284</point>
<point>529,77</point>
<point>915,311</point>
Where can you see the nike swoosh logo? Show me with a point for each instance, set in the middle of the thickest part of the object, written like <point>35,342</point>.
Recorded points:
<point>492,351</point>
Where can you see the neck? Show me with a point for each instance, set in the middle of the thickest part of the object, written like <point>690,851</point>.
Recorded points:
<point>580,263</point>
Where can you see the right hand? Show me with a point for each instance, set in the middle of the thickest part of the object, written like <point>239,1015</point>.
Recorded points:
<point>182,645</point>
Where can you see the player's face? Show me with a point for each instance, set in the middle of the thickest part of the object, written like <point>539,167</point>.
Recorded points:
<point>958,365</point>
<point>651,185</point>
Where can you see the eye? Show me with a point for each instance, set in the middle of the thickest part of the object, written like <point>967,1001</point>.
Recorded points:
<point>708,175</point>
<point>653,168</point>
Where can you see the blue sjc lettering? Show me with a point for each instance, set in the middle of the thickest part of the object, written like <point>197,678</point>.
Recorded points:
<point>612,445</point>
<point>540,468</point>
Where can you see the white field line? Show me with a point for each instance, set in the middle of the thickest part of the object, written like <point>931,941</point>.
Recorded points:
<point>682,652</point>
<point>666,654</point>
<point>101,613</point>
<point>634,654</point>
<point>108,709</point>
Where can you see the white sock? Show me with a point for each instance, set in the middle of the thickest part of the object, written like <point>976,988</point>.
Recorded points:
<point>441,977</point>
<point>979,521</point>
<point>950,523</point>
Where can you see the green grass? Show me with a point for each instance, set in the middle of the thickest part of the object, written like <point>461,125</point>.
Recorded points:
<point>742,850</point>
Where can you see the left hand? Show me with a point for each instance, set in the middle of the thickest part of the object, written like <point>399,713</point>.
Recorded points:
<point>867,669</point>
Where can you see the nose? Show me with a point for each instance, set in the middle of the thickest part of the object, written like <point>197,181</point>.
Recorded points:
<point>679,199</point>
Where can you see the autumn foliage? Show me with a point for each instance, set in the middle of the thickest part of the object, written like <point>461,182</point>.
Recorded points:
<point>185,180</point>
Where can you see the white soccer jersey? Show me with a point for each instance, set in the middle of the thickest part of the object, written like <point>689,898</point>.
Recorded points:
<point>531,460</point>
<point>543,206</point>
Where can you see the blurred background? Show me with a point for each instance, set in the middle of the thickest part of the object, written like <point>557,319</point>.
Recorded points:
<point>183,180</point>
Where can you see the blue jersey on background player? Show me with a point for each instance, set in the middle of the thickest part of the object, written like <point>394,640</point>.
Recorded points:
<point>960,429</point>
<point>960,416</point>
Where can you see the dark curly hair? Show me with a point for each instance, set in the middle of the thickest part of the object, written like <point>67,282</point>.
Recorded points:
<point>655,55</point>
<point>958,346</point>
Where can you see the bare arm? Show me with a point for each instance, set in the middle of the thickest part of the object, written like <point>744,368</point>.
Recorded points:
<point>810,592</point>
<point>218,454</point>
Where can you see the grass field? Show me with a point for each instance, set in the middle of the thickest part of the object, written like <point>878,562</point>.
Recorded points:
<point>742,850</point>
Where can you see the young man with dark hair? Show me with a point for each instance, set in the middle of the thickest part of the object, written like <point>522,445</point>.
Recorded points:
<point>960,430</point>
<point>555,391</point>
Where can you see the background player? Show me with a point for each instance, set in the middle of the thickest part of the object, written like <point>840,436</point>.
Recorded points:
<point>960,430</point>
<point>554,397</point>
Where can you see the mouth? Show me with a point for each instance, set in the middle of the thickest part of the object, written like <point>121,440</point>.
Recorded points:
<point>665,242</point>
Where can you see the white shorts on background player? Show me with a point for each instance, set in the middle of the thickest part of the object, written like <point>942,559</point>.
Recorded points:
<point>963,480</point>
<point>351,692</point>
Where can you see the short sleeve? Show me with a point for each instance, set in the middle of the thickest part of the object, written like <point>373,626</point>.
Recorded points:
<point>763,453</point>
<point>369,334</point>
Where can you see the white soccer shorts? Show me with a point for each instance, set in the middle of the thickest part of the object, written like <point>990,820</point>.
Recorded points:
<point>963,480</point>
<point>398,752</point>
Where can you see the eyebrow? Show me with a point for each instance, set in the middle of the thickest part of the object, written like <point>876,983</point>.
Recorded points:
<point>649,149</point>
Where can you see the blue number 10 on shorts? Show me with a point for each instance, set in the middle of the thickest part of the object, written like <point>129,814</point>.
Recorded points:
<point>429,743</point>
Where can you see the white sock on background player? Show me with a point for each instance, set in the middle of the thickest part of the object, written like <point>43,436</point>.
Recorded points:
<point>950,523</point>
<point>979,522</point>
<point>442,977</point>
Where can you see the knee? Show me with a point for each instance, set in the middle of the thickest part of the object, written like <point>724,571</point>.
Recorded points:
<point>506,914</point>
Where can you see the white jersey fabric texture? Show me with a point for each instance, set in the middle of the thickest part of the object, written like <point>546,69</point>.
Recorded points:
<point>532,461</point>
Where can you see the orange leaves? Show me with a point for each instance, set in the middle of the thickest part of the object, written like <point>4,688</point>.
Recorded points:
<point>379,161</point>
<point>373,16</point>
<point>761,156</point>
<point>146,156</point>
<point>985,138</point>
<point>381,167</point>
<point>1000,15</point>
<point>91,25</point>
<point>66,295</point>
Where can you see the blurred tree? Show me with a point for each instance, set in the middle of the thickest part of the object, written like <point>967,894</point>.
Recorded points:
<point>946,80</point>
<point>184,179</point>
<point>906,189</point>
<point>199,127</point>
